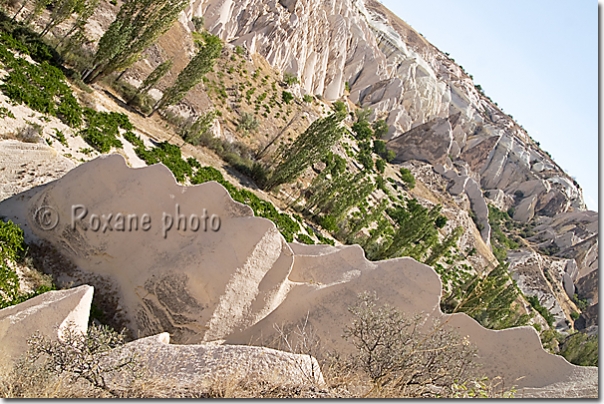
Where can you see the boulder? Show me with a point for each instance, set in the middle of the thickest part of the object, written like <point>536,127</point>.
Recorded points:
<point>196,367</point>
<point>162,257</point>
<point>48,313</point>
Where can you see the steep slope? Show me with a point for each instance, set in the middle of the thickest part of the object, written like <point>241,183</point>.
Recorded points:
<point>435,113</point>
<point>465,153</point>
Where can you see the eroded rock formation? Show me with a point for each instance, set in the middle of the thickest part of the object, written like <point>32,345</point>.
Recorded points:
<point>201,366</point>
<point>435,112</point>
<point>48,314</point>
<point>236,283</point>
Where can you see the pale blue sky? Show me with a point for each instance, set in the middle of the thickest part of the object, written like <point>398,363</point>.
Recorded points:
<point>538,59</point>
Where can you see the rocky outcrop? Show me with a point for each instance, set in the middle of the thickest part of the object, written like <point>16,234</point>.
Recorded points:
<point>430,142</point>
<point>573,236</point>
<point>163,287</point>
<point>401,77</point>
<point>236,283</point>
<point>198,367</point>
<point>546,278</point>
<point>48,314</point>
<point>27,165</point>
<point>461,183</point>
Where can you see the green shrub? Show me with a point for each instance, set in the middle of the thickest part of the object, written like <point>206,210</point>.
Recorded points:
<point>12,250</point>
<point>206,174</point>
<point>582,304</point>
<point>379,147</point>
<point>308,98</point>
<point>135,140</point>
<point>325,240</point>
<point>247,123</point>
<point>303,238</point>
<point>549,317</point>
<point>287,97</point>
<point>170,155</point>
<point>500,242</point>
<point>329,223</point>
<point>102,129</point>
<point>198,23</point>
<point>4,112</point>
<point>407,177</point>
<point>290,79</point>
<point>380,165</point>
<point>380,129</point>
<point>42,86</point>
<point>60,136</point>
<point>364,157</point>
<point>12,243</point>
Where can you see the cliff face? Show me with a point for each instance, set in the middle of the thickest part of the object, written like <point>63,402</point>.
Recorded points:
<point>435,113</point>
<point>396,73</point>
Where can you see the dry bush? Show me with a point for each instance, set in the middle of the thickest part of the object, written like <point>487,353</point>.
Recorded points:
<point>75,365</point>
<point>396,357</point>
<point>302,339</point>
<point>30,133</point>
<point>404,356</point>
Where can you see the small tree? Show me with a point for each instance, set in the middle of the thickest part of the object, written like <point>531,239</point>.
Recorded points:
<point>92,356</point>
<point>314,144</point>
<point>200,128</point>
<point>84,13</point>
<point>198,23</point>
<point>380,166</point>
<point>290,79</point>
<point>287,97</point>
<point>407,177</point>
<point>192,74</point>
<point>402,353</point>
<point>361,128</point>
<point>61,11</point>
<point>137,26</point>
<point>39,6</point>
<point>247,123</point>
<point>380,128</point>
<point>152,79</point>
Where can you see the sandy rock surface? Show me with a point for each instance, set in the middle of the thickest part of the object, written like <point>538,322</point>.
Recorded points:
<point>196,366</point>
<point>235,284</point>
<point>48,313</point>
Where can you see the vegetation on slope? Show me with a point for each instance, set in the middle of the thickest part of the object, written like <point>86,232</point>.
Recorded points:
<point>13,251</point>
<point>392,359</point>
<point>342,202</point>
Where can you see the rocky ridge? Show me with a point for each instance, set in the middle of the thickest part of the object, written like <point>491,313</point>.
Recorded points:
<point>435,112</point>
<point>458,144</point>
<point>283,283</point>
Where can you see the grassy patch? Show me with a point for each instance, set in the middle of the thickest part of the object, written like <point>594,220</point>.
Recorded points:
<point>103,128</point>
<point>12,250</point>
<point>42,87</point>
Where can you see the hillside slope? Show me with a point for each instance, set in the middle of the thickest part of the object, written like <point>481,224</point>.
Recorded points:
<point>493,198</point>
